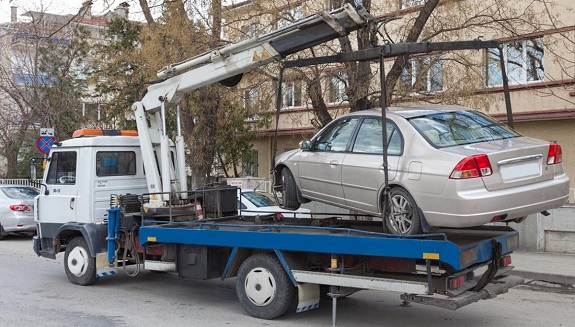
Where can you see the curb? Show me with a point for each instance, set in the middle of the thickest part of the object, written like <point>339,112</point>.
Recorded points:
<point>547,277</point>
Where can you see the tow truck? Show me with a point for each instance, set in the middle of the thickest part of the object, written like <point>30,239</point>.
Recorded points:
<point>115,200</point>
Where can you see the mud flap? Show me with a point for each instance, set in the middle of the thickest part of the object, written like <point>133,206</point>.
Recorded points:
<point>308,296</point>
<point>103,268</point>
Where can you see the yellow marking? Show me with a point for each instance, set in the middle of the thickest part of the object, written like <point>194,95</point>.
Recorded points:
<point>265,54</point>
<point>432,256</point>
<point>151,238</point>
<point>256,57</point>
<point>334,263</point>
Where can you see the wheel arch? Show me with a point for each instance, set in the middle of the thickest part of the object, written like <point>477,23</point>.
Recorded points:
<point>95,236</point>
<point>424,224</point>
<point>277,181</point>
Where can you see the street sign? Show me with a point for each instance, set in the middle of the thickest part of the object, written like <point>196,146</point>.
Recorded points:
<point>44,143</point>
<point>46,132</point>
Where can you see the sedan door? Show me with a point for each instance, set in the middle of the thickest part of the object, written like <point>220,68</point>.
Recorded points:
<point>363,171</point>
<point>320,167</point>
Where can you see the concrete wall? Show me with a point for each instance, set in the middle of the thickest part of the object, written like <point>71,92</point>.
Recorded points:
<point>553,233</point>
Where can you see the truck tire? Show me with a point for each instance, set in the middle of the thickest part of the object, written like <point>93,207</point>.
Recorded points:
<point>80,266</point>
<point>263,287</point>
<point>290,199</point>
<point>403,217</point>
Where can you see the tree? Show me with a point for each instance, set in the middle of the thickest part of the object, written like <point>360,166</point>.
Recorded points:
<point>40,83</point>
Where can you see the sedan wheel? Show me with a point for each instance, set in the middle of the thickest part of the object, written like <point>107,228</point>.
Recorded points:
<point>403,217</point>
<point>289,195</point>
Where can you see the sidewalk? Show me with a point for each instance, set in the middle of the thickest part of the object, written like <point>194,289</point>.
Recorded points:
<point>545,266</point>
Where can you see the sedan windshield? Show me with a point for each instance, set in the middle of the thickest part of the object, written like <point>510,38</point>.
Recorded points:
<point>259,199</point>
<point>460,127</point>
<point>20,192</point>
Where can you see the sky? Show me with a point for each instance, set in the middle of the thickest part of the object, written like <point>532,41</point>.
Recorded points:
<point>63,7</point>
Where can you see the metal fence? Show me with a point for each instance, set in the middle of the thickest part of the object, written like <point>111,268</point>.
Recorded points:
<point>17,181</point>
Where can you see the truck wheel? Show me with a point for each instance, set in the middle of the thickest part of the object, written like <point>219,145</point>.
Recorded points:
<point>263,287</point>
<point>404,216</point>
<point>289,195</point>
<point>80,266</point>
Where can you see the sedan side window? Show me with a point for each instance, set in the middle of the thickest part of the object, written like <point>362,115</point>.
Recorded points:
<point>369,139</point>
<point>336,137</point>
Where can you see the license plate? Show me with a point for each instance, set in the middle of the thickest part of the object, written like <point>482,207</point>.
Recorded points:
<point>520,171</point>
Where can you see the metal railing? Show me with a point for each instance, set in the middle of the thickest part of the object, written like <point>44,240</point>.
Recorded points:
<point>18,181</point>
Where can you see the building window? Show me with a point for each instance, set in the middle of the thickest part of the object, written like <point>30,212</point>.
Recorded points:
<point>223,27</point>
<point>252,30</point>
<point>523,62</point>
<point>289,16</point>
<point>423,75</point>
<point>251,99</point>
<point>291,92</point>
<point>411,3</point>
<point>250,164</point>
<point>335,4</point>
<point>336,88</point>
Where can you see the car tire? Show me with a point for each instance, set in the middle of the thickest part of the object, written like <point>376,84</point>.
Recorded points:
<point>80,266</point>
<point>263,287</point>
<point>289,195</point>
<point>2,235</point>
<point>404,217</point>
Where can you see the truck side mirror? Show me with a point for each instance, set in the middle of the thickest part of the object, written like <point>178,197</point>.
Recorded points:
<point>32,172</point>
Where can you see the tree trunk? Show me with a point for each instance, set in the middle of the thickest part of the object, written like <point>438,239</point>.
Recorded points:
<point>315,94</point>
<point>148,14</point>
<point>395,72</point>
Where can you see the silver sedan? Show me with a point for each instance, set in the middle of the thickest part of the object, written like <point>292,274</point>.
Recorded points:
<point>17,209</point>
<point>448,167</point>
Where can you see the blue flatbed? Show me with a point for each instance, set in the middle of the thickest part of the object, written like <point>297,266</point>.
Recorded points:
<point>457,248</point>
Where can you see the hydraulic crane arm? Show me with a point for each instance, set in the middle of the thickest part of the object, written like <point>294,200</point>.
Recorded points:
<point>225,65</point>
<point>244,56</point>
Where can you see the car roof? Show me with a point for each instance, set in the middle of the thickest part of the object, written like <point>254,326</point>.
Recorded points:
<point>411,111</point>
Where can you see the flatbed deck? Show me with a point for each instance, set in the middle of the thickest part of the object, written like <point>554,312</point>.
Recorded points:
<point>458,248</point>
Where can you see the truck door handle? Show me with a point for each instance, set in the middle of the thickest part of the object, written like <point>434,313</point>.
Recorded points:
<point>72,200</point>
<point>333,163</point>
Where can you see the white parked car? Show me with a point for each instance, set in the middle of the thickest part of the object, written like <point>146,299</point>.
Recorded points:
<point>17,209</point>
<point>252,203</point>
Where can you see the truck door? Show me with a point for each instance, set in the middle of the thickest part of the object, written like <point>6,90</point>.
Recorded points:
<point>59,205</point>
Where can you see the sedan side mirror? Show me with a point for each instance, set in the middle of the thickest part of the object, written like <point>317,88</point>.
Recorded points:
<point>305,145</point>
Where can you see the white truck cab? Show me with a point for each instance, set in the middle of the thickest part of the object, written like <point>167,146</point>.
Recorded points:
<point>81,175</point>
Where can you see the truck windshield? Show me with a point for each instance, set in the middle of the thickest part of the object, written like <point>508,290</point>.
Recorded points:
<point>462,127</point>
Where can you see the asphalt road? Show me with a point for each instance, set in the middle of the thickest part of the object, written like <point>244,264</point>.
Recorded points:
<point>35,291</point>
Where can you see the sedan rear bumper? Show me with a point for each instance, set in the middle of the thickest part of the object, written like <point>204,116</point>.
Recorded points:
<point>478,207</point>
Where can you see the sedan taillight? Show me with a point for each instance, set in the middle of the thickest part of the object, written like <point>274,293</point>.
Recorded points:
<point>555,154</point>
<point>472,167</point>
<point>20,208</point>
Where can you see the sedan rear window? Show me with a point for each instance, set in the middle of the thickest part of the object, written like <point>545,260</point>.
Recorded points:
<point>259,199</point>
<point>17,192</point>
<point>460,127</point>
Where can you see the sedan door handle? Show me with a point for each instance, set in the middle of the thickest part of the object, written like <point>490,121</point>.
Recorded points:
<point>381,168</point>
<point>333,163</point>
